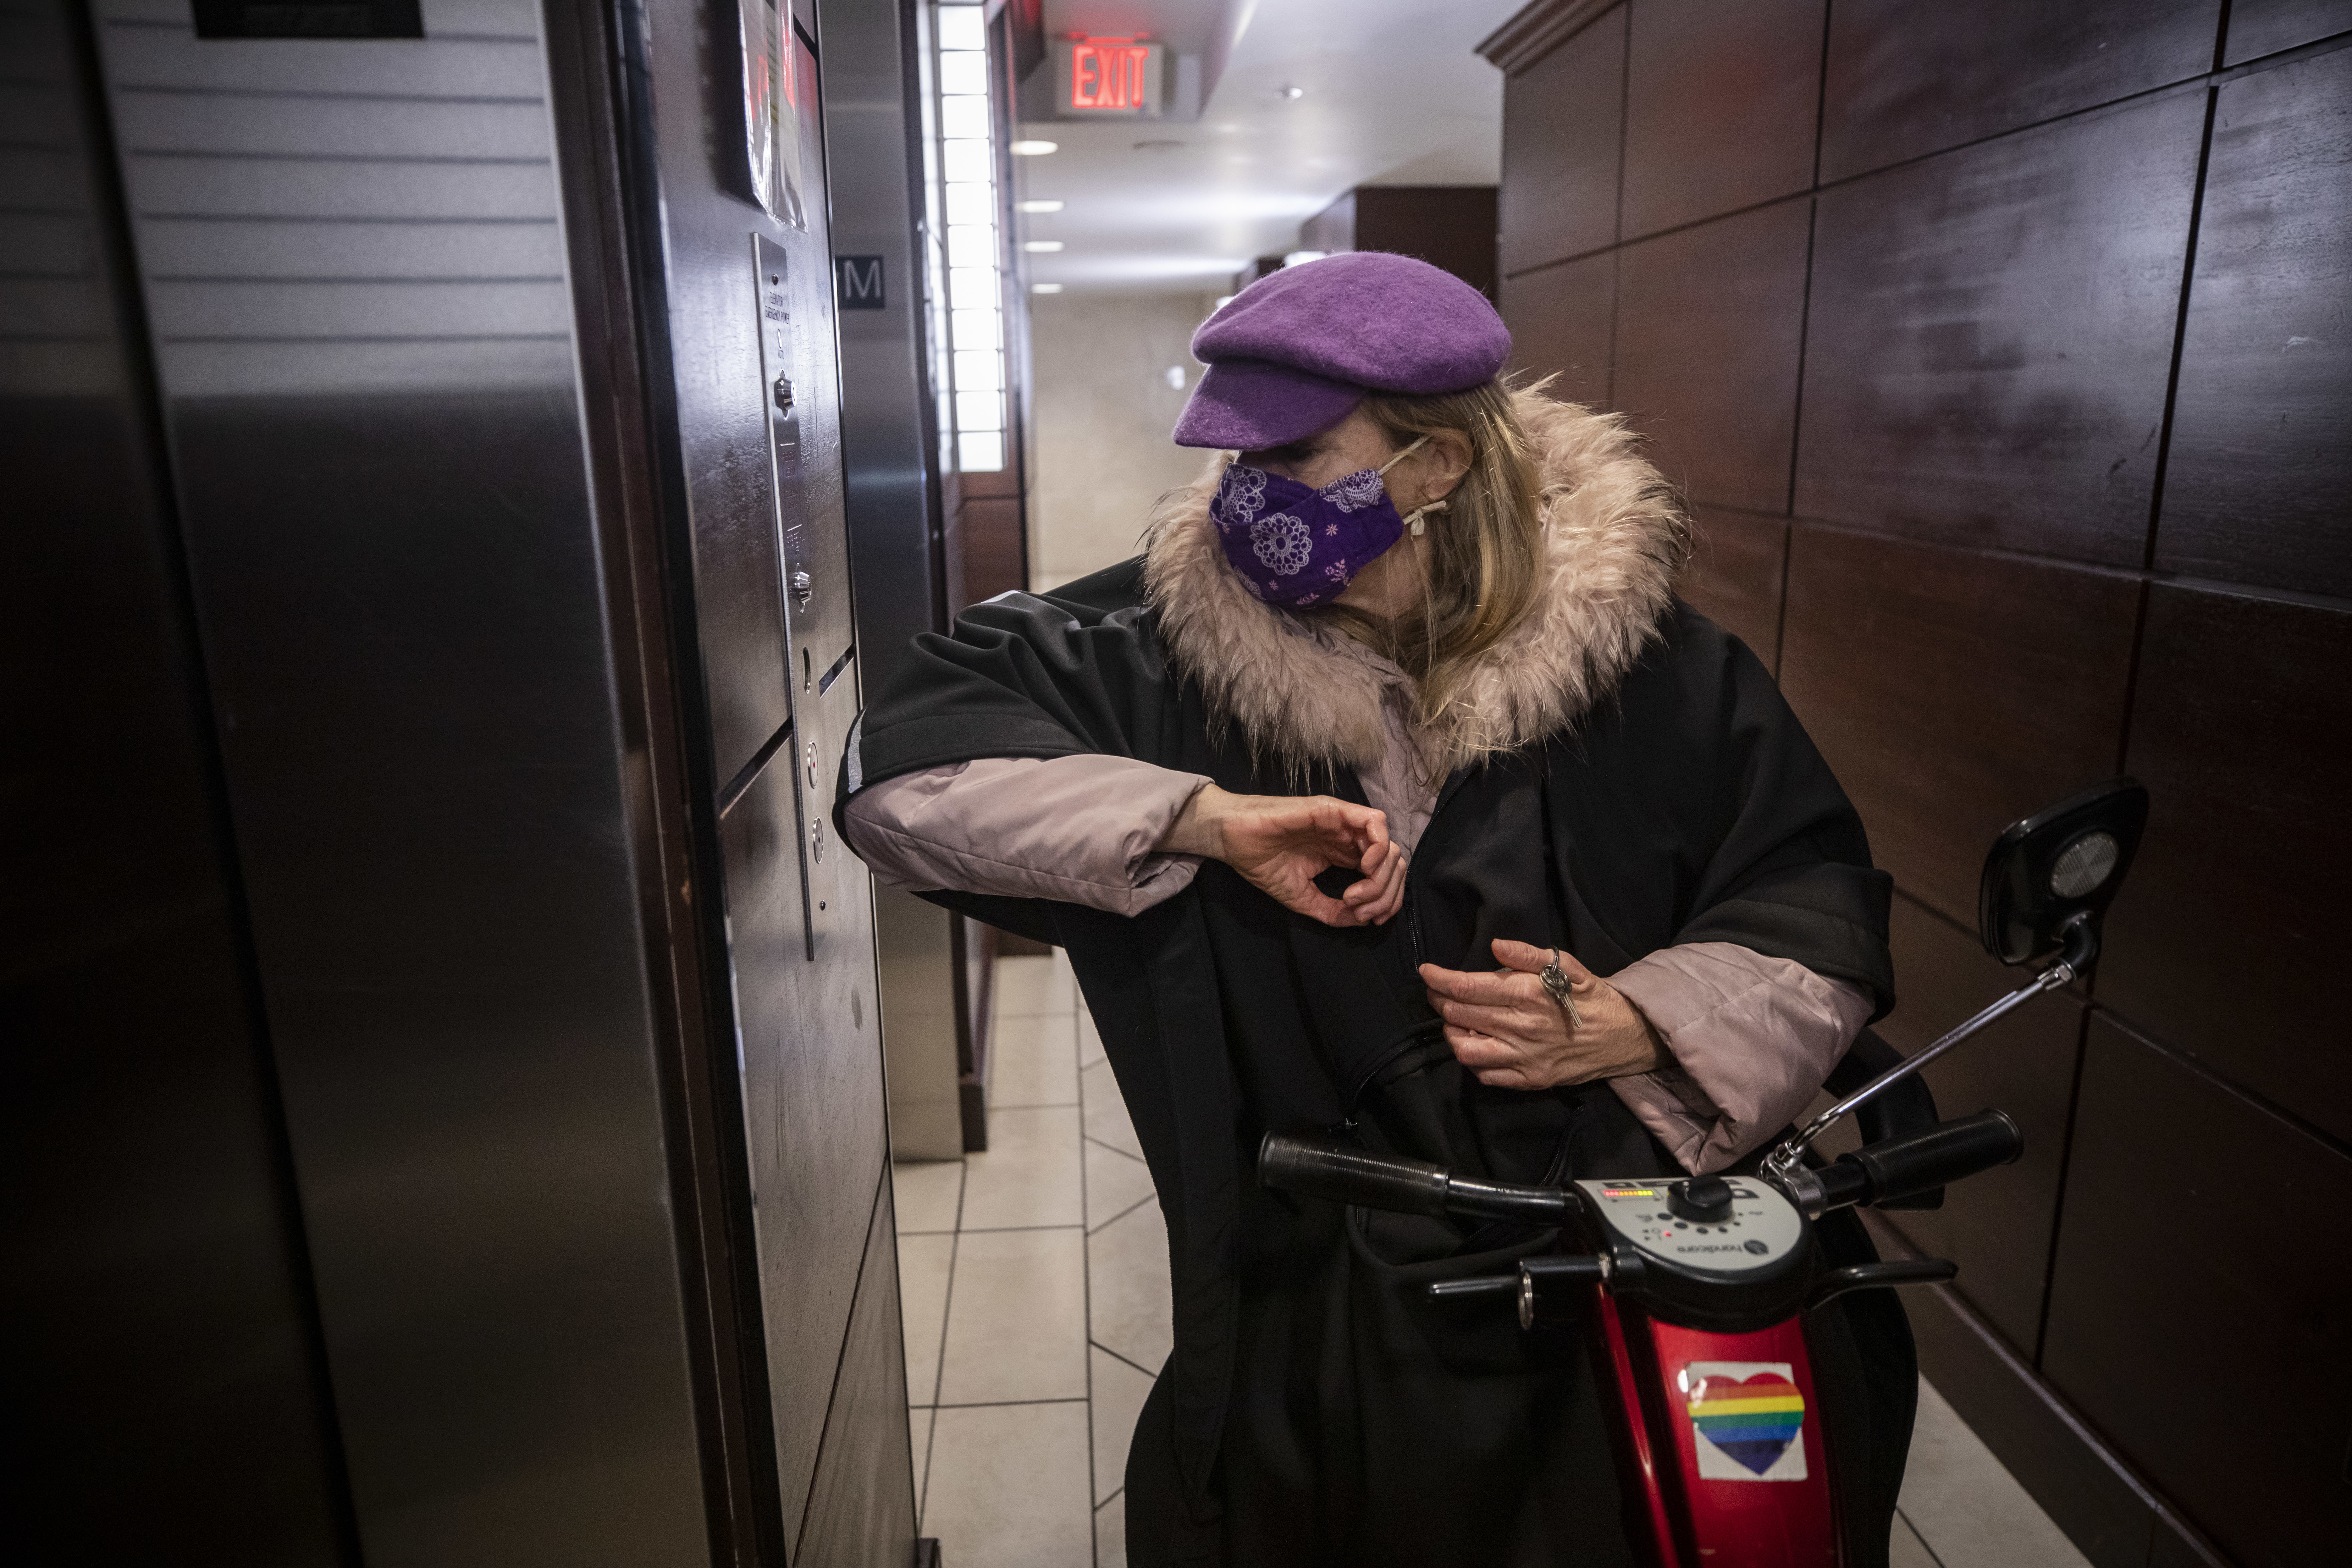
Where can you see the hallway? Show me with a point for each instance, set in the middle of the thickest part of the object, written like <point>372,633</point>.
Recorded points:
<point>1034,1279</point>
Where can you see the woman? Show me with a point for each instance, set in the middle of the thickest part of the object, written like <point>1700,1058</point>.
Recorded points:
<point>1397,710</point>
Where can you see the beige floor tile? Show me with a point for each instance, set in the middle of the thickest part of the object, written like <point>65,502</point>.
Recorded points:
<point>1030,1172</point>
<point>1906,1550</point>
<point>1129,1299</point>
<point>1106,1119</point>
<point>1008,1486</point>
<point>1119,1392</point>
<point>1016,1317</point>
<point>1110,1533</point>
<point>1035,1062</point>
<point>1090,1045</point>
<point>924,1262</point>
<point>1970,1512</point>
<point>1115,1183</point>
<point>925,1193</point>
<point>1024,987</point>
<point>920,1430</point>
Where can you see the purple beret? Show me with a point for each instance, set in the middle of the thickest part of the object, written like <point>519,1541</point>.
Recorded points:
<point>1296,350</point>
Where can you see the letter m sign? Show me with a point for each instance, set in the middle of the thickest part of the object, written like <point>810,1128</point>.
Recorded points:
<point>859,280</point>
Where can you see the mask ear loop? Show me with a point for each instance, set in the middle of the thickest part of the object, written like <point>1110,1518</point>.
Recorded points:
<point>1412,520</point>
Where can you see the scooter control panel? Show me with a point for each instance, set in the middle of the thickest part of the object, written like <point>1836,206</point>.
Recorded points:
<point>1756,1228</point>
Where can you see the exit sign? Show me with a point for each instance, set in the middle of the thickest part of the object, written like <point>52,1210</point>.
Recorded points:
<point>1115,76</point>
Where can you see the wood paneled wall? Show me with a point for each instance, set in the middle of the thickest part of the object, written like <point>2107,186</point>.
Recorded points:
<point>2002,351</point>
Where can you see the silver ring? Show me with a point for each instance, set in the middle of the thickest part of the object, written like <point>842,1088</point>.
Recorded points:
<point>1554,980</point>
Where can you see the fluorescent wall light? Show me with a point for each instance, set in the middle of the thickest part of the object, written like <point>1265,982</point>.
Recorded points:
<point>1041,206</point>
<point>1045,288</point>
<point>1041,246</point>
<point>1034,149</point>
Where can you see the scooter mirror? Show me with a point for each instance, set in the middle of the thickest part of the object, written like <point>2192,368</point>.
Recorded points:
<point>2058,868</point>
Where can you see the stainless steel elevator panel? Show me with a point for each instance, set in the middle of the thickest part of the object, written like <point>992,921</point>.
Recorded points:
<point>352,256</point>
<point>815,556</point>
<point>162,1382</point>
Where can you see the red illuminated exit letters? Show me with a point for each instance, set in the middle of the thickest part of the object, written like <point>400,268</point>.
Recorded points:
<point>1112,74</point>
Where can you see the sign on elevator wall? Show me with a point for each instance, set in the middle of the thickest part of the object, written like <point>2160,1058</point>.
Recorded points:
<point>774,85</point>
<point>857,283</point>
<point>1109,76</point>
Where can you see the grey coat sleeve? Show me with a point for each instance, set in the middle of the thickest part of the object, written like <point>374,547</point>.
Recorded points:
<point>1752,1038</point>
<point>1079,829</point>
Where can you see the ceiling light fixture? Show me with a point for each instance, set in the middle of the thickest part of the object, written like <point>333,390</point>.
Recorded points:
<point>1041,246</point>
<point>1288,90</point>
<point>1041,206</point>
<point>1045,288</point>
<point>1034,149</point>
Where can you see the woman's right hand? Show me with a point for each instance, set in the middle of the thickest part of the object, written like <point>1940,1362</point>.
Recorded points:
<point>1281,843</point>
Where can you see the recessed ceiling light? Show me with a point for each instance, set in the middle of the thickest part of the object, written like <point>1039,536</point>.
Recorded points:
<point>1041,206</point>
<point>1041,246</point>
<point>1288,90</point>
<point>1034,149</point>
<point>1045,288</point>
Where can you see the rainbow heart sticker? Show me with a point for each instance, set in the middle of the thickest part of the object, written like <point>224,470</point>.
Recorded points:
<point>1750,1417</point>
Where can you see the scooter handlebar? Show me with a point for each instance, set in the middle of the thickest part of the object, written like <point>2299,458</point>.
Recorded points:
<point>1944,1153</point>
<point>1349,1175</point>
<point>1346,1176</point>
<point>1895,1168</point>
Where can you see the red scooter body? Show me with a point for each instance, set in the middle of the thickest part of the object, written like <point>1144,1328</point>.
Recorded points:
<point>1726,1464</point>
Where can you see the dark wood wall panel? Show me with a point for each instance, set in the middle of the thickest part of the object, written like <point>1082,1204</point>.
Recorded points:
<point>1952,693</point>
<point>1452,226</point>
<point>2259,485</point>
<point>1709,321</point>
<point>1906,79</point>
<point>1734,577</point>
<point>2002,560</point>
<point>2258,27</point>
<point>861,1510</point>
<point>2203,1298</point>
<point>1996,1227</point>
<point>1991,334</point>
<point>1560,319</point>
<point>1562,119</point>
<point>1722,99</point>
<point>2230,938</point>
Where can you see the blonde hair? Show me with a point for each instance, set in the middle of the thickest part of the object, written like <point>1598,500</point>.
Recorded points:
<point>1481,556</point>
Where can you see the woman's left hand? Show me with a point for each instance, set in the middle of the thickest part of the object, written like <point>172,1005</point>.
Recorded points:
<point>1506,1028</point>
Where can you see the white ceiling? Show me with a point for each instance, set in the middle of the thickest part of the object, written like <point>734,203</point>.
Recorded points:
<point>1393,95</point>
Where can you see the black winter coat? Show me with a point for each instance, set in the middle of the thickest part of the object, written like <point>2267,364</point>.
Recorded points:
<point>1317,1409</point>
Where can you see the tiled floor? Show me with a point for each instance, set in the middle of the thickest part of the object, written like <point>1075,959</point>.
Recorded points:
<point>1035,1281</point>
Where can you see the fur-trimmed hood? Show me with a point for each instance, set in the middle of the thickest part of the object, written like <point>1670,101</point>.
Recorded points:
<point>1302,692</point>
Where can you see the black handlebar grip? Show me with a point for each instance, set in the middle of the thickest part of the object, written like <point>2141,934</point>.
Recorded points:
<point>1944,1153</point>
<point>1347,1176</point>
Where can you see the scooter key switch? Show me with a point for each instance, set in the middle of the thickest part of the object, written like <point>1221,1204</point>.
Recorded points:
<point>1705,1200</point>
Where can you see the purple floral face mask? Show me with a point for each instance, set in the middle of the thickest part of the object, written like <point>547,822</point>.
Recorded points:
<point>1295,545</point>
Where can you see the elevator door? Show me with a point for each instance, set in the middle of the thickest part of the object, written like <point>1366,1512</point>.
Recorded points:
<point>415,459</point>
